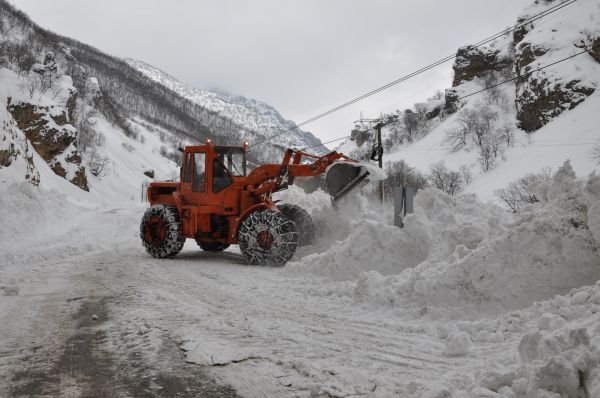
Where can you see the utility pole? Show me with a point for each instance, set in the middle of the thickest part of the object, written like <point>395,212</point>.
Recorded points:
<point>380,158</point>
<point>377,153</point>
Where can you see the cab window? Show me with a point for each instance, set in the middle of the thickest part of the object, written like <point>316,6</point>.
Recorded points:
<point>199,184</point>
<point>221,178</point>
<point>234,159</point>
<point>187,168</point>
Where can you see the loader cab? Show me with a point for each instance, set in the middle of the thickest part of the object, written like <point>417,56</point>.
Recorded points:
<point>208,170</point>
<point>224,163</point>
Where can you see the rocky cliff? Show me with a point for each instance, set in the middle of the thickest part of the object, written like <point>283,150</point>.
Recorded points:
<point>49,130</point>
<point>541,95</point>
<point>15,151</point>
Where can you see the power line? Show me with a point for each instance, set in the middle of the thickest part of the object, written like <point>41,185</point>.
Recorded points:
<point>445,148</point>
<point>505,45</point>
<point>489,39</point>
<point>474,93</point>
<point>437,63</point>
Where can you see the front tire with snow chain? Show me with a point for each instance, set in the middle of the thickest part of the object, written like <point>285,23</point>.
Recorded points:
<point>160,231</point>
<point>267,237</point>
<point>304,223</point>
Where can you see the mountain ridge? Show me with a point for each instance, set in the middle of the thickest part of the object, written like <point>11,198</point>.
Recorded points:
<point>257,116</point>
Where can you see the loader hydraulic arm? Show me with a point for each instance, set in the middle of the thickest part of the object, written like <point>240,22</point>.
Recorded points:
<point>274,177</point>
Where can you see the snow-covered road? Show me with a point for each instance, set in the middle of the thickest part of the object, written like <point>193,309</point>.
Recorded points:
<point>110,318</point>
<point>465,305</point>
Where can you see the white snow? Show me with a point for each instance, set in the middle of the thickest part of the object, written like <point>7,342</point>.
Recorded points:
<point>466,300</point>
<point>456,253</point>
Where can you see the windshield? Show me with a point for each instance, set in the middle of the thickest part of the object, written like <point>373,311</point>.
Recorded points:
<point>234,159</point>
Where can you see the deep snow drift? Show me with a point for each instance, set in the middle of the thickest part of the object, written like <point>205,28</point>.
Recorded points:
<point>484,276</point>
<point>459,257</point>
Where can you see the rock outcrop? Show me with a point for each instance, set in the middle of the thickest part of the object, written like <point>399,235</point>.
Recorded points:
<point>542,95</point>
<point>452,99</point>
<point>594,46</point>
<point>472,62</point>
<point>15,152</point>
<point>539,100</point>
<point>49,130</point>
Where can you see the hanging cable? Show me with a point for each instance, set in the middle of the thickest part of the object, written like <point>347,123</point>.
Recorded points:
<point>489,39</point>
<point>473,93</point>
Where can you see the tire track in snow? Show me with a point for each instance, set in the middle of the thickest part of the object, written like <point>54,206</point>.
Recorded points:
<point>260,313</point>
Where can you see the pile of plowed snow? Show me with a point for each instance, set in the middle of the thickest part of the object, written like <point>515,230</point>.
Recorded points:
<point>558,353</point>
<point>331,224</point>
<point>459,256</point>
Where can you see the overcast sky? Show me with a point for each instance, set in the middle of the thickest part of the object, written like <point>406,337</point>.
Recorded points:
<point>303,57</point>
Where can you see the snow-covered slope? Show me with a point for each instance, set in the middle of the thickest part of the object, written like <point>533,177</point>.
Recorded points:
<point>255,117</point>
<point>549,116</point>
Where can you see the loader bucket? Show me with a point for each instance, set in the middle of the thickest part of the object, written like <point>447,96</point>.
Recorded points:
<point>342,177</point>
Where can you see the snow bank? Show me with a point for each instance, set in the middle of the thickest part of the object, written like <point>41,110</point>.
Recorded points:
<point>439,224</point>
<point>332,224</point>
<point>458,256</point>
<point>558,353</point>
<point>25,212</point>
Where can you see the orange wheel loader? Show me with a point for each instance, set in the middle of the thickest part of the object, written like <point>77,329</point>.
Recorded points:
<point>216,203</point>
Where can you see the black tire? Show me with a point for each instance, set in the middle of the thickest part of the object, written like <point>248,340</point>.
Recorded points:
<point>160,231</point>
<point>267,237</point>
<point>212,246</point>
<point>304,223</point>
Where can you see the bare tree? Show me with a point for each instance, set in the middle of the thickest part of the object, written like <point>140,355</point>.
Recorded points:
<point>466,174</point>
<point>487,156</point>
<point>442,178</point>
<point>410,124</point>
<point>520,193</point>
<point>467,121</point>
<point>484,118</point>
<point>510,198</point>
<point>494,92</point>
<point>98,164</point>
<point>506,132</point>
<point>87,135</point>
<point>34,83</point>
<point>29,85</point>
<point>457,137</point>
<point>400,174</point>
<point>25,62</point>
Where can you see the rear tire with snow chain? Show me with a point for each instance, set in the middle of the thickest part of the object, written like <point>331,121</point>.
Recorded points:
<point>267,237</point>
<point>160,231</point>
<point>212,246</point>
<point>304,223</point>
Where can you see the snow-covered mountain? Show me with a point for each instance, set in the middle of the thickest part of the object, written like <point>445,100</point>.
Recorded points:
<point>546,115</point>
<point>100,122</point>
<point>257,118</point>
